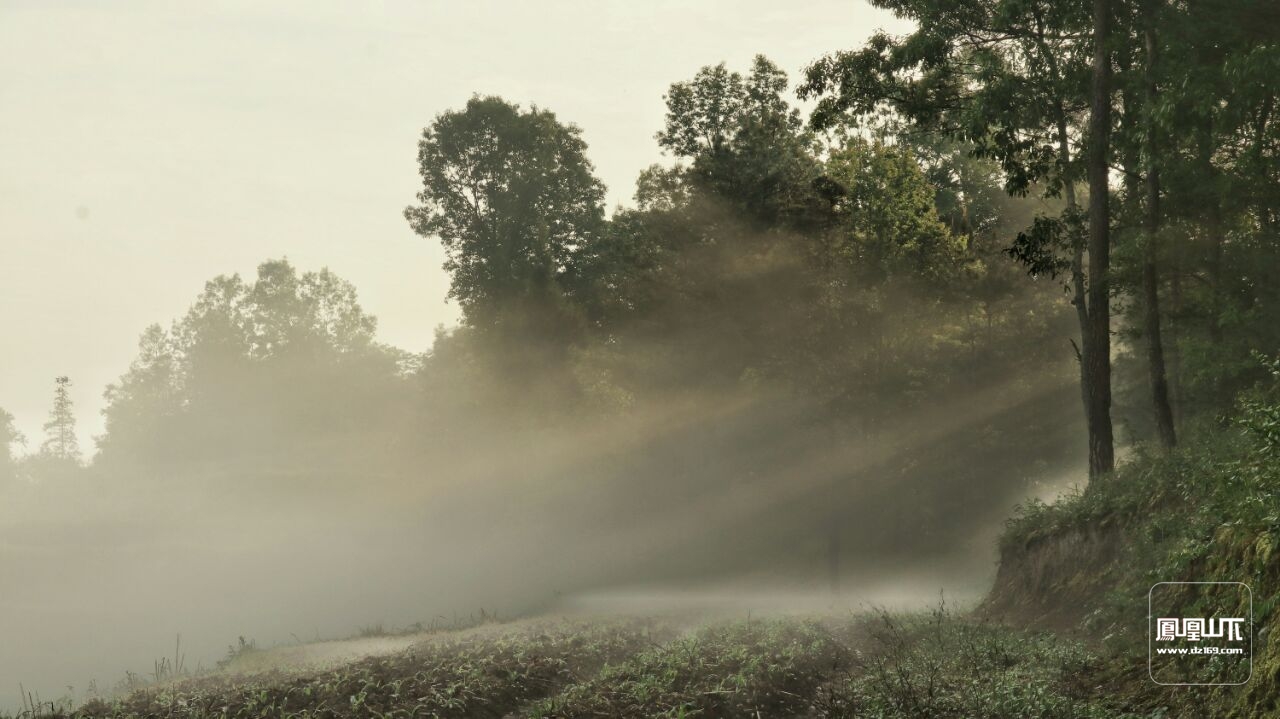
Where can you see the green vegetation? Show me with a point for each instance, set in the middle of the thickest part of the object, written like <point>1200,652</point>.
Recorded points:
<point>770,666</point>
<point>799,334</point>
<point>478,673</point>
<point>932,664</point>
<point>1205,512</point>
<point>935,665</point>
<point>942,229</point>
<point>1063,94</point>
<point>1180,508</point>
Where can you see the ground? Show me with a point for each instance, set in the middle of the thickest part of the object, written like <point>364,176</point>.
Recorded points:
<point>868,664</point>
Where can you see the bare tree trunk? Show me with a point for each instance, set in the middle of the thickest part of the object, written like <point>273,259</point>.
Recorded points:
<point>1097,350</point>
<point>1150,269</point>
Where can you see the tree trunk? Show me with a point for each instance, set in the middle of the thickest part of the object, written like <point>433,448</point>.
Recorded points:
<point>1097,349</point>
<point>1078,299</point>
<point>1213,227</point>
<point>1174,345</point>
<point>1150,269</point>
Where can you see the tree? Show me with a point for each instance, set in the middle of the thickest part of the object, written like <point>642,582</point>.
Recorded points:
<point>1196,84</point>
<point>1217,78</point>
<point>748,145</point>
<point>259,367</point>
<point>886,215</point>
<point>143,405</point>
<point>313,313</point>
<point>1009,78</point>
<point>9,437</point>
<point>1097,349</point>
<point>60,431</point>
<point>713,257</point>
<point>1152,227</point>
<point>511,195</point>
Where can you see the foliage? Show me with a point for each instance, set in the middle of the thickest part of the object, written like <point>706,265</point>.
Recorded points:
<point>881,665</point>
<point>467,674</point>
<point>1204,512</point>
<point>886,215</point>
<point>60,443</point>
<point>291,352</point>
<point>937,665</point>
<point>511,195</point>
<point>740,669</point>
<point>9,437</point>
<point>1001,76</point>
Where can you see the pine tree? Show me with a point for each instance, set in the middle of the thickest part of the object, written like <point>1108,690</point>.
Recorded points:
<point>60,431</point>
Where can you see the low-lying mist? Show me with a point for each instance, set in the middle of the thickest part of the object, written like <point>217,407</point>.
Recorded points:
<point>789,379</point>
<point>704,502</point>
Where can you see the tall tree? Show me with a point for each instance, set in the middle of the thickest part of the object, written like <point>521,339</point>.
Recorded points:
<point>748,146</point>
<point>1219,77</point>
<point>1009,78</point>
<point>60,441</point>
<point>1152,224</point>
<point>715,252</point>
<point>1097,354</point>
<point>511,195</point>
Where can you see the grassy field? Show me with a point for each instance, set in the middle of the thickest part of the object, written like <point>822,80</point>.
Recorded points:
<point>870,665</point>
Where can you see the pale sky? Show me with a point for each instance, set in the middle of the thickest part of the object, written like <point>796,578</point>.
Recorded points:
<point>146,147</point>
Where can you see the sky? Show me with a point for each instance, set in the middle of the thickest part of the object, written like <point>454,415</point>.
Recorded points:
<point>146,147</point>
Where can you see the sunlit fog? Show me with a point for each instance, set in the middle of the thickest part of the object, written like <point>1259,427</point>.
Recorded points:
<point>327,320</point>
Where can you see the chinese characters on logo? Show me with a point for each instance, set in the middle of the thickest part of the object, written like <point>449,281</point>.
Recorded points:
<point>1195,629</point>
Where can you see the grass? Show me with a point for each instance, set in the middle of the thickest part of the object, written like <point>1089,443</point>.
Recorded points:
<point>765,667</point>
<point>937,665</point>
<point>1226,472</point>
<point>486,672</point>
<point>1208,511</point>
<point>874,665</point>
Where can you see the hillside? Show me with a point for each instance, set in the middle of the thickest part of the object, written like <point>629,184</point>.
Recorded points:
<point>1207,512</point>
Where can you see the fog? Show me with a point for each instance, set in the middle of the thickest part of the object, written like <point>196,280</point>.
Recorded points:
<point>149,147</point>
<point>103,578</point>
<point>286,433</point>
